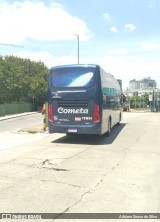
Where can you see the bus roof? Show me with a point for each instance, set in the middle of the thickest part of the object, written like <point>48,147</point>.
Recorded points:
<point>75,65</point>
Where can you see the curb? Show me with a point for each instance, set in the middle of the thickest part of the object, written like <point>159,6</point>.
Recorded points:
<point>16,115</point>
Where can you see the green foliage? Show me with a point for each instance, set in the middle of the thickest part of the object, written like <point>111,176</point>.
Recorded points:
<point>139,101</point>
<point>22,80</point>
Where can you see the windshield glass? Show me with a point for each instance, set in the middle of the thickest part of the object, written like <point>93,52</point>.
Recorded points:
<point>73,77</point>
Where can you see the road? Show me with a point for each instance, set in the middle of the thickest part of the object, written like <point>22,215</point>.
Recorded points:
<point>20,122</point>
<point>15,131</point>
<point>86,174</point>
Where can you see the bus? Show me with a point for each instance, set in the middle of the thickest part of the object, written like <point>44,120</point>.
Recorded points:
<point>83,99</point>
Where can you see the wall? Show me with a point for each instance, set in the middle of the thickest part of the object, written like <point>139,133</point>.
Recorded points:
<point>14,108</point>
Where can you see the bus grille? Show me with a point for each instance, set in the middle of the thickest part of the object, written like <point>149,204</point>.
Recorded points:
<point>72,103</point>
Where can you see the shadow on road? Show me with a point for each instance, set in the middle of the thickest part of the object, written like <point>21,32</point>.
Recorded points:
<point>91,139</point>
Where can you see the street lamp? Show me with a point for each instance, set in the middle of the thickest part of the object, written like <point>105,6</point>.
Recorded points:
<point>78,45</point>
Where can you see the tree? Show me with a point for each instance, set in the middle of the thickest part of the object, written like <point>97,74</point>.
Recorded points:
<point>139,101</point>
<point>22,80</point>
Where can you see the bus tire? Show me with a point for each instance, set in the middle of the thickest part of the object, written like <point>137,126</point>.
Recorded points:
<point>109,127</point>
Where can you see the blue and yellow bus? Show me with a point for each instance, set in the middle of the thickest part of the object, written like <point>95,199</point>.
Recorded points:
<point>83,99</point>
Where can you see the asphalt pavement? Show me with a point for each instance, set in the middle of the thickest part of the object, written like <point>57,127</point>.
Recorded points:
<point>15,115</point>
<point>83,174</point>
<point>35,128</point>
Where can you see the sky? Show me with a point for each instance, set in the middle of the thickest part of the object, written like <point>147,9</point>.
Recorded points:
<point>123,36</point>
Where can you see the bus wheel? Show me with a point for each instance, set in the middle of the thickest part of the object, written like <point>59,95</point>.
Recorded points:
<point>109,128</point>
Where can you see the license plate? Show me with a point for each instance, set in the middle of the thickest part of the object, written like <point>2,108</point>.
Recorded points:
<point>72,130</point>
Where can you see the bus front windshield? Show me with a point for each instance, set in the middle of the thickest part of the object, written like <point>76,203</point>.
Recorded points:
<point>73,77</point>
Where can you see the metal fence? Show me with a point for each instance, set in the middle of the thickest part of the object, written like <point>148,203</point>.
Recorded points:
<point>15,108</point>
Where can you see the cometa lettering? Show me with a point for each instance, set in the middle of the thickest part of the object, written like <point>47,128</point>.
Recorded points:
<point>75,111</point>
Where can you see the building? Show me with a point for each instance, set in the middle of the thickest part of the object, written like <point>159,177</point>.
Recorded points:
<point>143,84</point>
<point>133,85</point>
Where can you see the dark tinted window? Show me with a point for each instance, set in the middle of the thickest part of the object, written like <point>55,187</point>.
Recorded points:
<point>73,77</point>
